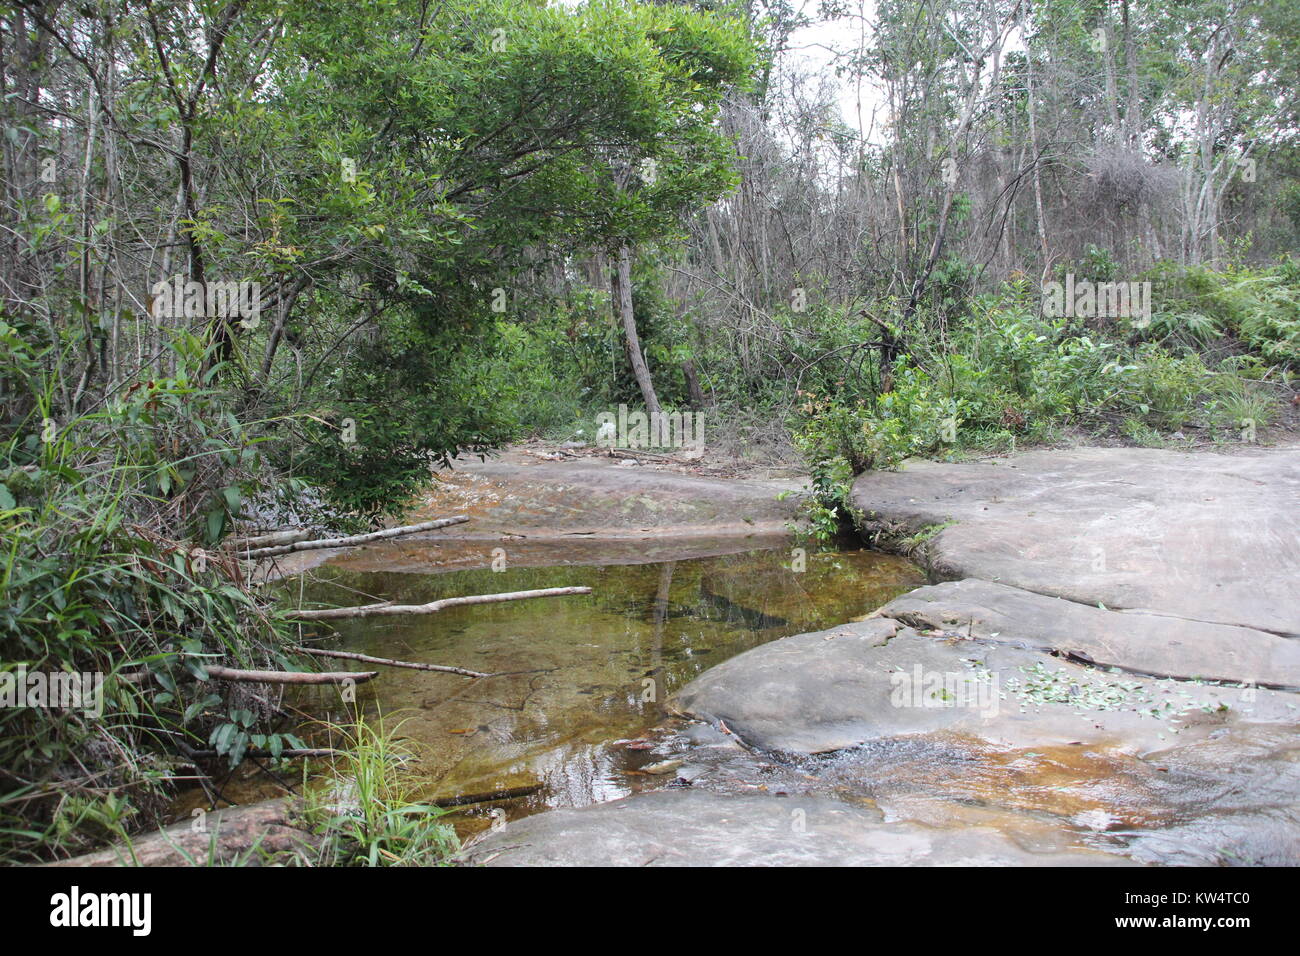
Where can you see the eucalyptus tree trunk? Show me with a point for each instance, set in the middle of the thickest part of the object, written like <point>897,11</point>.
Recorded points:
<point>1133,111</point>
<point>1033,147</point>
<point>631,340</point>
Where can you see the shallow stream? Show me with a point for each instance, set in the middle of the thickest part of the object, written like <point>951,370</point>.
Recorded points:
<point>584,677</point>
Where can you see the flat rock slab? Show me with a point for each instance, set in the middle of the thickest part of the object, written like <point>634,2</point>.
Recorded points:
<point>875,680</point>
<point>1202,536</point>
<point>574,511</point>
<point>697,828</point>
<point>1150,644</point>
<point>516,494</point>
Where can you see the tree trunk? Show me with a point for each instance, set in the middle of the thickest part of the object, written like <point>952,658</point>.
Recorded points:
<point>698,398</point>
<point>1112,83</point>
<point>1033,150</point>
<point>1133,111</point>
<point>632,341</point>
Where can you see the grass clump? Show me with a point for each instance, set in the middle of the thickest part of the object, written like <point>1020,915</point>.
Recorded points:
<point>370,816</point>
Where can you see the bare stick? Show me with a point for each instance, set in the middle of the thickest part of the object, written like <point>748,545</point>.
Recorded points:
<point>640,455</point>
<point>367,659</point>
<point>354,539</point>
<point>254,542</point>
<point>218,672</point>
<point>387,607</point>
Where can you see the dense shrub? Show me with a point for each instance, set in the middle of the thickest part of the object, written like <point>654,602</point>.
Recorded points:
<point>107,522</point>
<point>1004,375</point>
<point>1261,308</point>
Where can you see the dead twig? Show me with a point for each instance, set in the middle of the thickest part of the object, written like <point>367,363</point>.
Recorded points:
<point>507,793</point>
<point>351,540</point>
<point>388,608</point>
<point>219,672</point>
<point>263,754</point>
<point>387,662</point>
<point>272,539</point>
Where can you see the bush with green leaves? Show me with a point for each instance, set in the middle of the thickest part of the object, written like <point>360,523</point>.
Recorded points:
<point>107,521</point>
<point>1258,307</point>
<point>1003,376</point>
<point>398,408</point>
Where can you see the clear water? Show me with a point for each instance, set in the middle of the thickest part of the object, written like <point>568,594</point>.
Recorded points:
<point>585,673</point>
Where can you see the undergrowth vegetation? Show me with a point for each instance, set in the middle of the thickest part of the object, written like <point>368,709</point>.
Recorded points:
<point>1003,376</point>
<point>980,373</point>
<point>109,523</point>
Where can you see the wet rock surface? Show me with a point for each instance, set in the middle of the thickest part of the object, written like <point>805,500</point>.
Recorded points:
<point>1111,671</point>
<point>696,828</point>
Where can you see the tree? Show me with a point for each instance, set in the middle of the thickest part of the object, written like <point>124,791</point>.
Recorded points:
<point>682,160</point>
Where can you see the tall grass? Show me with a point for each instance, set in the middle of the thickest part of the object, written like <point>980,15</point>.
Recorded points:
<point>369,816</point>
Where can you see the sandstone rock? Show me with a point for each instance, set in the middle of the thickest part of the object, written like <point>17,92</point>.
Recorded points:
<point>1150,644</point>
<point>245,834</point>
<point>1201,536</point>
<point>837,689</point>
<point>694,828</point>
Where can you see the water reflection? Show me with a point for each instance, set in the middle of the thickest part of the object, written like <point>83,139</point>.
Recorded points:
<point>581,675</point>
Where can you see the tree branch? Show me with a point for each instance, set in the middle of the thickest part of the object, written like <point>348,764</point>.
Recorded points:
<point>387,662</point>
<point>218,672</point>
<point>388,608</point>
<point>351,540</point>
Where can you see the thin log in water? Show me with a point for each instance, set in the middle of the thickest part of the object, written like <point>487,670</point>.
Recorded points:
<point>465,799</point>
<point>309,753</point>
<point>387,662</point>
<point>354,539</point>
<point>254,542</point>
<point>387,607</point>
<point>219,672</point>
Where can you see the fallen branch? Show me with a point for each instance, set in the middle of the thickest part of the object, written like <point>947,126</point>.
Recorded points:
<point>218,672</point>
<point>509,793</point>
<point>638,454</point>
<point>367,659</point>
<point>254,542</point>
<point>388,607</point>
<point>355,539</point>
